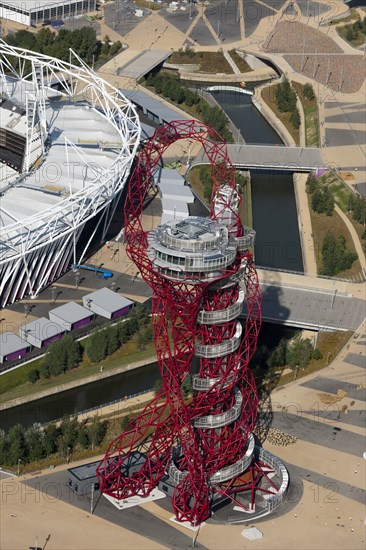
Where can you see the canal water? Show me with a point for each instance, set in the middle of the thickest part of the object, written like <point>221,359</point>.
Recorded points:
<point>110,389</point>
<point>275,218</point>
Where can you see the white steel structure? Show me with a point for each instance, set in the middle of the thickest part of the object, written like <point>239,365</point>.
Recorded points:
<point>79,141</point>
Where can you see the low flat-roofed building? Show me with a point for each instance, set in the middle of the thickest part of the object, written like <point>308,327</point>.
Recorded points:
<point>107,303</point>
<point>176,209</point>
<point>71,316</point>
<point>12,347</point>
<point>175,191</point>
<point>35,12</point>
<point>41,332</point>
<point>168,175</point>
<point>81,479</point>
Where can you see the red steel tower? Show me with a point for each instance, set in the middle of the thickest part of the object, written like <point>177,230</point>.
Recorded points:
<point>201,271</point>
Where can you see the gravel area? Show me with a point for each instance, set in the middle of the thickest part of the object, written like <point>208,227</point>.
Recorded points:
<point>343,73</point>
<point>293,37</point>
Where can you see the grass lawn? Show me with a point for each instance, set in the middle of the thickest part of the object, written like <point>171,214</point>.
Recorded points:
<point>196,183</point>
<point>310,108</point>
<point>240,62</point>
<point>321,224</point>
<point>15,384</point>
<point>341,195</point>
<point>268,96</point>
<point>245,212</point>
<point>356,41</point>
<point>209,62</point>
<point>351,17</point>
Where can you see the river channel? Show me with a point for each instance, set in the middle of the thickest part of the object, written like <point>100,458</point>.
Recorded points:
<point>109,389</point>
<point>273,197</point>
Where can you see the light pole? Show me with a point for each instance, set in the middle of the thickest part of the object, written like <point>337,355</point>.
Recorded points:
<point>19,461</point>
<point>68,454</point>
<point>92,498</point>
<point>53,294</point>
<point>26,310</point>
<point>77,280</point>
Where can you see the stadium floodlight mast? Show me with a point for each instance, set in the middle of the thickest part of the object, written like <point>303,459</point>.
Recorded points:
<point>36,249</point>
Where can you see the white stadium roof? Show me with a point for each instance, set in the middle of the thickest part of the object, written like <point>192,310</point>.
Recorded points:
<point>65,161</point>
<point>34,4</point>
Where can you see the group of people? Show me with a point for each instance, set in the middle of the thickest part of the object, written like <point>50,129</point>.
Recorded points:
<point>276,437</point>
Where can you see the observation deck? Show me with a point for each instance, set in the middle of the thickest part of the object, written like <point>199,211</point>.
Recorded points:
<point>197,247</point>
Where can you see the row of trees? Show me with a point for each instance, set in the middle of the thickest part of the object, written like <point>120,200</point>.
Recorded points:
<point>22,445</point>
<point>104,342</point>
<point>65,354</point>
<point>335,256</point>
<point>170,87</point>
<point>286,102</point>
<point>82,41</point>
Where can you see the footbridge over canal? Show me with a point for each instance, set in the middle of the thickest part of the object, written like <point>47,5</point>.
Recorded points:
<point>311,302</point>
<point>271,157</point>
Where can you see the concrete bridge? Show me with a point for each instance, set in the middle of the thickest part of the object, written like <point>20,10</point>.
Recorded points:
<point>273,157</point>
<point>222,88</point>
<point>311,302</point>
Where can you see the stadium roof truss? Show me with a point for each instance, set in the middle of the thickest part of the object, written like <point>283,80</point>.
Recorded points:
<point>33,77</point>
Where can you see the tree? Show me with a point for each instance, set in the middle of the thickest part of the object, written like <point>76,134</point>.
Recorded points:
<point>34,440</point>
<point>83,437</point>
<point>116,46</point>
<point>299,353</point>
<point>44,370</point>
<point>144,337</point>
<point>309,92</point>
<point>72,351</point>
<point>335,257</point>
<point>112,339</point>
<point>96,431</point>
<point>311,183</point>
<point>56,358</point>
<point>3,447</point>
<point>295,118</point>
<point>322,201</point>
<point>285,97</point>
<point>33,376</point>
<point>17,446</point>
<point>278,357</point>
<point>69,429</point>
<point>51,435</point>
<point>96,347</point>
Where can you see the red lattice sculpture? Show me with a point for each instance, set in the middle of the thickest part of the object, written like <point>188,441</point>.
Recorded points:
<point>200,271</point>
